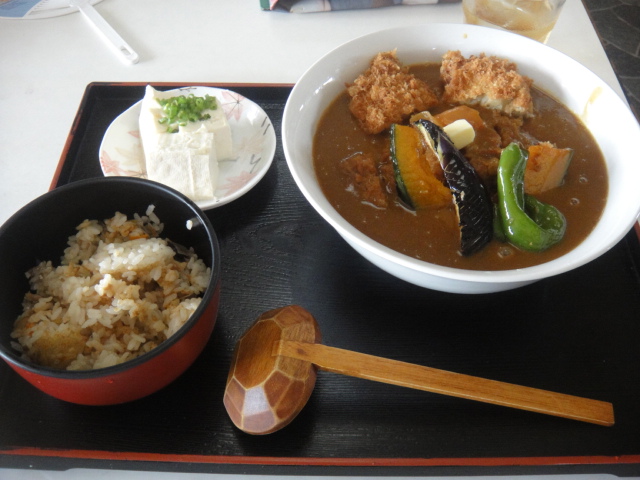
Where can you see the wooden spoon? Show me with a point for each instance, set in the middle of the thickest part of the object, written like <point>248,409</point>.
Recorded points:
<point>273,373</point>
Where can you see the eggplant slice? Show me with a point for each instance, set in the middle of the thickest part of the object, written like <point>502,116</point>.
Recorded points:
<point>474,209</point>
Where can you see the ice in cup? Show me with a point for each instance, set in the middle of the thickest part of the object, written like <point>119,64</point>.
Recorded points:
<point>531,18</point>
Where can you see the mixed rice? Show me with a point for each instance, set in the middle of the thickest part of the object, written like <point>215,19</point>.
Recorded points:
<point>119,291</point>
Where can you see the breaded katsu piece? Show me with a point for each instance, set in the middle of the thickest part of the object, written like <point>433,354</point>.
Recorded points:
<point>490,82</point>
<point>386,93</point>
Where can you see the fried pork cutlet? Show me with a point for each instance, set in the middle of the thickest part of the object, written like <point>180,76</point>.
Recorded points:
<point>491,82</point>
<point>386,93</point>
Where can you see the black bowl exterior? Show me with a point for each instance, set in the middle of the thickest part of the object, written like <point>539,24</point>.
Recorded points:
<point>40,230</point>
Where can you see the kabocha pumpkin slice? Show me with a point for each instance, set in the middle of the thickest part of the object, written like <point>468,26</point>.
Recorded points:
<point>461,112</point>
<point>546,167</point>
<point>417,184</point>
<point>475,210</point>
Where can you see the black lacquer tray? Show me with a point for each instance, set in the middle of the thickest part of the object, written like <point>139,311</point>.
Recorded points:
<point>578,333</point>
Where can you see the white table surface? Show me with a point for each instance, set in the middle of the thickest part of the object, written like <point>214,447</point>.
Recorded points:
<point>46,64</point>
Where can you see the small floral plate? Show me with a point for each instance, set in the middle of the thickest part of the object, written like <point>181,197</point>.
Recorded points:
<point>253,138</point>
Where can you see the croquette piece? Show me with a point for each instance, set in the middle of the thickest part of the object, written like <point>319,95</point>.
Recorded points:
<point>386,93</point>
<point>509,128</point>
<point>491,82</point>
<point>373,182</point>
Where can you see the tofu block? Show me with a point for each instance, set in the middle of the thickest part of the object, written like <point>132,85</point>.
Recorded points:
<point>188,159</point>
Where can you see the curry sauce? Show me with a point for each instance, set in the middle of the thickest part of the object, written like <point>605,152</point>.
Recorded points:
<point>433,234</point>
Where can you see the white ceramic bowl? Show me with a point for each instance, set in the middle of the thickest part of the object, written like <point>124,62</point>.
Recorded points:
<point>600,108</point>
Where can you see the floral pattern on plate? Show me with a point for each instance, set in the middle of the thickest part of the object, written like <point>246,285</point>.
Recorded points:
<point>253,139</point>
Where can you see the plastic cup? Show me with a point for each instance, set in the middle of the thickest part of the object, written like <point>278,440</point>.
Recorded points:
<point>531,18</point>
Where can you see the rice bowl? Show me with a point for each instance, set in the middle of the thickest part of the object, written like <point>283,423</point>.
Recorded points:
<point>40,231</point>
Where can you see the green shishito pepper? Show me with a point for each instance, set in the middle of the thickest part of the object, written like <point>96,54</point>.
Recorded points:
<point>526,222</point>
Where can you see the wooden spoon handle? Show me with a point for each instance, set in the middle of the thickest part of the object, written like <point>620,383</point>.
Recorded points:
<point>447,383</point>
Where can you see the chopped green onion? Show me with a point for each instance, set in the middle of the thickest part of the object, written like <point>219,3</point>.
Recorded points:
<point>178,111</point>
